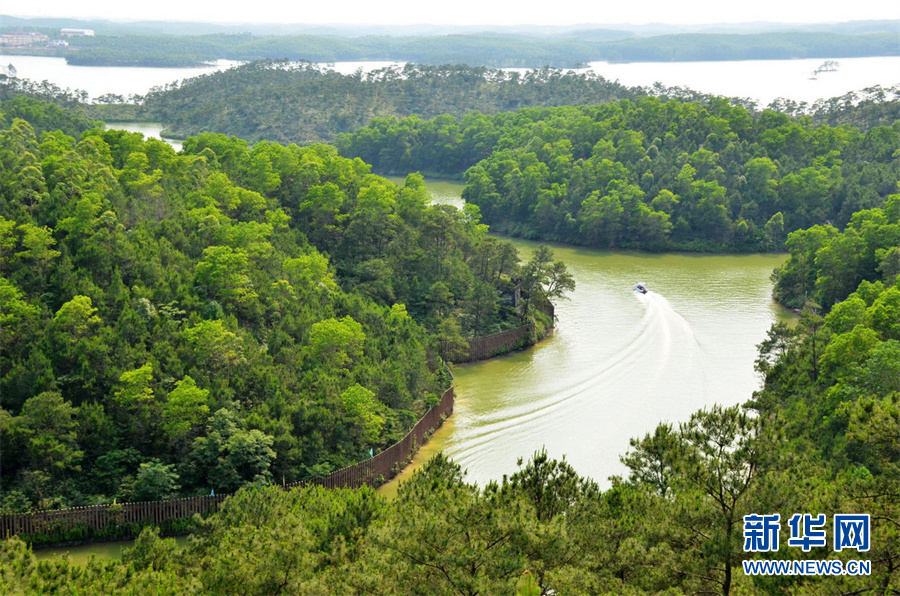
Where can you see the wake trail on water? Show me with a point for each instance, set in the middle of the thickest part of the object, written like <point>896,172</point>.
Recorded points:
<point>645,358</point>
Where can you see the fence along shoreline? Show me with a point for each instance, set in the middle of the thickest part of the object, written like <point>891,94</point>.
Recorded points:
<point>502,342</point>
<point>374,471</point>
<point>99,518</point>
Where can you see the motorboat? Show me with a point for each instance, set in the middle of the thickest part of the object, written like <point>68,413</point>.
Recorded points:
<point>641,287</point>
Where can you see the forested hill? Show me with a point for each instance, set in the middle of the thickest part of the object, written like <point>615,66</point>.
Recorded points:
<point>180,323</point>
<point>827,264</point>
<point>566,49</point>
<point>820,436</point>
<point>223,316</point>
<point>302,103</point>
<point>651,174</point>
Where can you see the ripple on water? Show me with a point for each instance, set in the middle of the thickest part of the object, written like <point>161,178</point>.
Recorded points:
<point>618,363</point>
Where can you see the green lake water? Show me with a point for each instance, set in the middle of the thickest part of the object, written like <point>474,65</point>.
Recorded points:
<point>617,364</point>
<point>150,130</point>
<point>81,554</point>
<point>444,192</point>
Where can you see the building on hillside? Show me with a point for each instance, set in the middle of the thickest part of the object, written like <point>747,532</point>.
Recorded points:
<point>22,39</point>
<point>76,32</point>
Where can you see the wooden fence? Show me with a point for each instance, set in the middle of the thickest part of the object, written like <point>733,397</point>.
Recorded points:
<point>374,471</point>
<point>98,517</point>
<point>482,348</point>
<point>386,464</point>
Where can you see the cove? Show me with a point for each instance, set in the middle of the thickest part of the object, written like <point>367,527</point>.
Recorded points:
<point>618,362</point>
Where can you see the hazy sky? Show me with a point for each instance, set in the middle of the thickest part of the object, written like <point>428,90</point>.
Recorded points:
<point>463,12</point>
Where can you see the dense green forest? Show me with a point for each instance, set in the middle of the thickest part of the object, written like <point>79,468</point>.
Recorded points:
<point>651,174</point>
<point>176,323</point>
<point>487,49</point>
<point>820,437</point>
<point>760,46</point>
<point>826,264</point>
<point>563,50</point>
<point>231,315</point>
<point>296,102</point>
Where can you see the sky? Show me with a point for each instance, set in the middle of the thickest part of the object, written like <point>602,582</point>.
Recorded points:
<point>463,12</point>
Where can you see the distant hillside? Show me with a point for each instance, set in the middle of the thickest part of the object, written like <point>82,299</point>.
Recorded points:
<point>761,46</point>
<point>189,44</point>
<point>106,27</point>
<point>302,103</point>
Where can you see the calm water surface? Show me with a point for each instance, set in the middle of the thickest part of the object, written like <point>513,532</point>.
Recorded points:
<point>443,192</point>
<point>137,80</point>
<point>99,80</point>
<point>618,363</point>
<point>760,80</point>
<point>150,130</point>
<point>82,554</point>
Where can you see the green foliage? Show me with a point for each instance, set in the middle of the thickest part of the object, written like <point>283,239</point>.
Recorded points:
<point>230,456</point>
<point>30,103</point>
<point>826,265</point>
<point>361,406</point>
<point>186,407</point>
<point>155,482</point>
<point>542,277</point>
<point>46,433</point>
<point>23,573</point>
<point>653,460</point>
<point>249,101</point>
<point>336,343</point>
<point>655,173</point>
<point>226,316</point>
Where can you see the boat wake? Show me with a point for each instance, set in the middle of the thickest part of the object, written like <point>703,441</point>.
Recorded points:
<point>553,397</point>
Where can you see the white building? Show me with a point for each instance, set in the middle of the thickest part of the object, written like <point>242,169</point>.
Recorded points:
<point>22,39</point>
<point>76,32</point>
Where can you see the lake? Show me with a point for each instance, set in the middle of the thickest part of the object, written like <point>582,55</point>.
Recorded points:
<point>150,130</point>
<point>443,192</point>
<point>99,80</point>
<point>760,80</point>
<point>617,364</point>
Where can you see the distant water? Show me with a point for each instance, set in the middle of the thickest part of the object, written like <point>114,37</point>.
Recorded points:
<point>760,80</point>
<point>443,192</point>
<point>100,80</point>
<point>150,130</point>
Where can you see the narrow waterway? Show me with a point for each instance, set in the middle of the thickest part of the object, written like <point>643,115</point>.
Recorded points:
<point>443,192</point>
<point>618,363</point>
<point>150,130</point>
